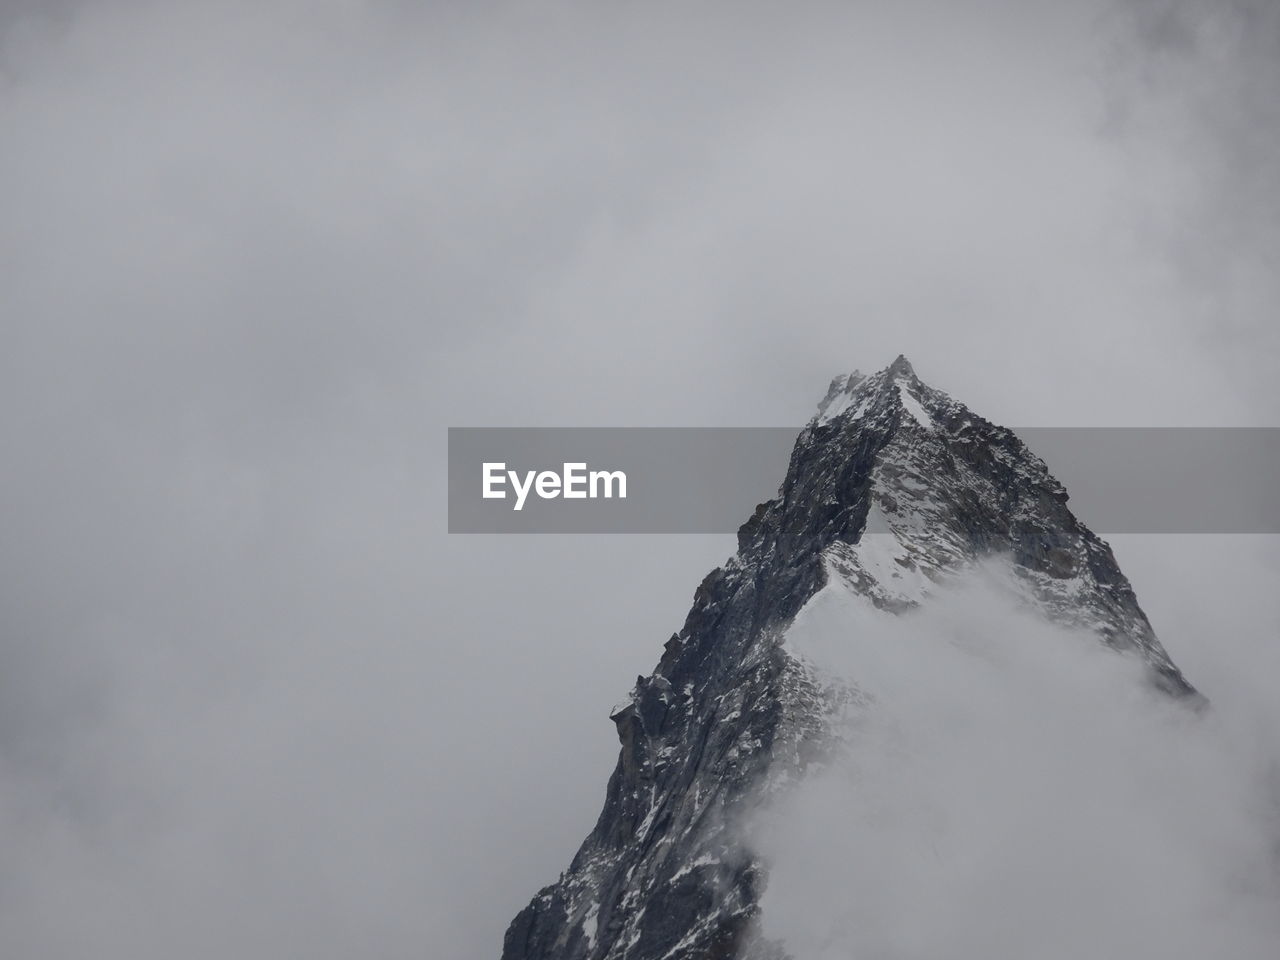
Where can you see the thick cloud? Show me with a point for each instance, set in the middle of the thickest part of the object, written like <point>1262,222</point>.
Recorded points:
<point>257,256</point>
<point>1014,789</point>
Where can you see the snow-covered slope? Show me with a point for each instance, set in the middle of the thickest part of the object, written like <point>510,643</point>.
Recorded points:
<point>893,491</point>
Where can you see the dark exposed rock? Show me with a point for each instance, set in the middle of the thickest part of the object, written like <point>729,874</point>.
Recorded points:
<point>729,714</point>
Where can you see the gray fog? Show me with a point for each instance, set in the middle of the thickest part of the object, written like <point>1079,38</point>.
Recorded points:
<point>256,257</point>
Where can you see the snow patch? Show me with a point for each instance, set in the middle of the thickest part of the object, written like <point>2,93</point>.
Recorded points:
<point>841,405</point>
<point>914,408</point>
<point>703,861</point>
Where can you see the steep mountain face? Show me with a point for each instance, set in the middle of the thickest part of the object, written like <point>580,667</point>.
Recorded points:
<point>892,489</point>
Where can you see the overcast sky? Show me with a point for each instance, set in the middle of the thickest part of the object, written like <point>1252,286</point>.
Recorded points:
<point>257,256</point>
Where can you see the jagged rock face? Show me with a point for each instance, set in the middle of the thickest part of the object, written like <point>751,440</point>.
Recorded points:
<point>893,488</point>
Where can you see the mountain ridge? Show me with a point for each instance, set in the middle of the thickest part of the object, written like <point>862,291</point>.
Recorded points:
<point>893,488</point>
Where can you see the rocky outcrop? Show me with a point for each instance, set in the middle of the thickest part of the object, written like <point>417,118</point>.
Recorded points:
<point>893,487</point>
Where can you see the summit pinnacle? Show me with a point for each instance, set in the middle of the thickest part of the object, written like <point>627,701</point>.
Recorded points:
<point>730,712</point>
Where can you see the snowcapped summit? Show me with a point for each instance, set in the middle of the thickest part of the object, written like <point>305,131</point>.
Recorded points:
<point>894,490</point>
<point>896,385</point>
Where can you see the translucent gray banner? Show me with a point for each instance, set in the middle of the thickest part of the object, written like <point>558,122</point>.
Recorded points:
<point>709,479</point>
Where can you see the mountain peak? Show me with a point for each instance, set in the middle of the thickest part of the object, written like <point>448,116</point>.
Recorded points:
<point>731,714</point>
<point>895,386</point>
<point>901,367</point>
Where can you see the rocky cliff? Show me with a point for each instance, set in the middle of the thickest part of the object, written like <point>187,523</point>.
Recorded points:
<point>892,488</point>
